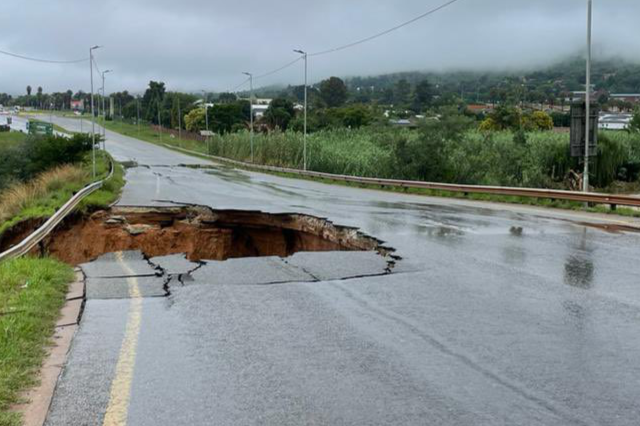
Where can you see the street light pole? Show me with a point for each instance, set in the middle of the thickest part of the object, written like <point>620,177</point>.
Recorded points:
<point>93,117</point>
<point>138,112</point>
<point>585,179</point>
<point>250,110</point>
<point>179,123</point>
<point>304,149</point>
<point>206,119</point>
<point>104,112</point>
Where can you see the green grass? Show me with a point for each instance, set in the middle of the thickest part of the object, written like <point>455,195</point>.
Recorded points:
<point>47,205</point>
<point>11,138</point>
<point>32,292</point>
<point>110,191</point>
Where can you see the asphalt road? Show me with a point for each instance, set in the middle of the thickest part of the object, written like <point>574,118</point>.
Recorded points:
<point>495,315</point>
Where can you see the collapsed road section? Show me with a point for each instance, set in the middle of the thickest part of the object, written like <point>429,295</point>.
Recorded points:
<point>204,236</point>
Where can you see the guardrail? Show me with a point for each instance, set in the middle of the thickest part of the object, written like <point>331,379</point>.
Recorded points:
<point>41,233</point>
<point>613,200</point>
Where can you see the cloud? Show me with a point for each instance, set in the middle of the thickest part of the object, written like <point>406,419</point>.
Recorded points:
<point>204,44</point>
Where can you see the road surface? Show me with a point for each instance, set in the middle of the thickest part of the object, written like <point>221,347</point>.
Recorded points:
<point>496,315</point>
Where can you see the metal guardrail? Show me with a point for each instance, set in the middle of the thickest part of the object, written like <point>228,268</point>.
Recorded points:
<point>32,240</point>
<point>613,200</point>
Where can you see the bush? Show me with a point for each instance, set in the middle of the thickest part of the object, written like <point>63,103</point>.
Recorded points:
<point>22,161</point>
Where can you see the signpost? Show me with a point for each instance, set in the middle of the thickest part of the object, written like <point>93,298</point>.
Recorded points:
<point>35,127</point>
<point>578,129</point>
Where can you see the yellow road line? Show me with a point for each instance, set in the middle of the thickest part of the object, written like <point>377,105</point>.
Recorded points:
<point>117,410</point>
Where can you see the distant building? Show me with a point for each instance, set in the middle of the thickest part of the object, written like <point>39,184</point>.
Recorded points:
<point>479,108</point>
<point>614,121</point>
<point>77,105</point>
<point>633,98</point>
<point>403,122</point>
<point>260,106</point>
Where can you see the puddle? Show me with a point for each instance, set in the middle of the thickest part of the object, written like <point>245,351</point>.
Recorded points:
<point>199,232</point>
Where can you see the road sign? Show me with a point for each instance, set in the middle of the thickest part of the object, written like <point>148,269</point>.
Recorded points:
<point>35,127</point>
<point>578,125</point>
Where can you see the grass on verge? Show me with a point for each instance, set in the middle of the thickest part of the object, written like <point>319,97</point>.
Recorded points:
<point>32,292</point>
<point>41,197</point>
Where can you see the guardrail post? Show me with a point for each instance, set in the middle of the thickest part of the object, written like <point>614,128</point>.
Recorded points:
<point>614,207</point>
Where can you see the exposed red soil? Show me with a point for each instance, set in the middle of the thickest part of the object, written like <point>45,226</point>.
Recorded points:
<point>199,232</point>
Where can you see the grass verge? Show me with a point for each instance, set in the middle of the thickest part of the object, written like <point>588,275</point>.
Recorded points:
<point>32,292</point>
<point>41,197</point>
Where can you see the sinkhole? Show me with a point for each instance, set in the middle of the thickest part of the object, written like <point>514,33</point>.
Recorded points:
<point>199,232</point>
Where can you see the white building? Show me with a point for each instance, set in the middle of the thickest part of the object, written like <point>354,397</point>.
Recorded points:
<point>614,121</point>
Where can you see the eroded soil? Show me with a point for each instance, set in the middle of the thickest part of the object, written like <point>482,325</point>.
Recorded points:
<point>200,232</point>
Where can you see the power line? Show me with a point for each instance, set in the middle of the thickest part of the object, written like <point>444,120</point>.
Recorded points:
<point>47,61</point>
<point>287,65</point>
<point>95,65</point>
<point>238,86</point>
<point>267,74</point>
<point>355,43</point>
<point>397,27</point>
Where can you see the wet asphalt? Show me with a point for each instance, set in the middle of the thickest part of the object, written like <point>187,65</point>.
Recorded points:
<point>495,315</point>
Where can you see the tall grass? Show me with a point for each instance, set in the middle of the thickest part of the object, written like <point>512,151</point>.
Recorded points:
<point>21,196</point>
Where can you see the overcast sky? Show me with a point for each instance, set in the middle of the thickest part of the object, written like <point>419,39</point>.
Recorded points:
<point>206,44</point>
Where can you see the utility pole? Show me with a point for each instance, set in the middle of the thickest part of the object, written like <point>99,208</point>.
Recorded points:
<point>250,110</point>
<point>304,149</point>
<point>93,117</point>
<point>585,179</point>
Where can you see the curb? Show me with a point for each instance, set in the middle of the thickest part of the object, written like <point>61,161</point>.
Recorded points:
<point>35,410</point>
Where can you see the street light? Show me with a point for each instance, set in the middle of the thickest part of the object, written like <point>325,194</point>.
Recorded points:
<point>304,150</point>
<point>206,119</point>
<point>585,179</point>
<point>93,117</point>
<point>104,113</point>
<point>250,110</point>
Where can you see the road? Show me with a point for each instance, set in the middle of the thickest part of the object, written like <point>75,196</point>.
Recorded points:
<point>495,315</point>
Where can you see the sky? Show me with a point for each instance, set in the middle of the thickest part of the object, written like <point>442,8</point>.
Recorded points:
<point>195,45</point>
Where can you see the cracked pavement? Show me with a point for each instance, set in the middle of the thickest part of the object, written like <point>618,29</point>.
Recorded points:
<point>496,315</point>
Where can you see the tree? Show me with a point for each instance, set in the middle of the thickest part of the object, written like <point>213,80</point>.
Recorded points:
<point>5,99</point>
<point>334,92</point>
<point>279,113</point>
<point>538,120</point>
<point>503,118</point>
<point>402,90</point>
<point>39,97</point>
<point>227,118</point>
<point>153,97</point>
<point>354,116</point>
<point>28,90</point>
<point>422,95</point>
<point>194,121</point>
<point>227,98</point>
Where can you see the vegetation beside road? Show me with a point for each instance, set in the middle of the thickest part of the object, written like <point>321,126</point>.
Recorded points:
<point>446,150</point>
<point>365,152</point>
<point>38,175</point>
<point>32,292</point>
